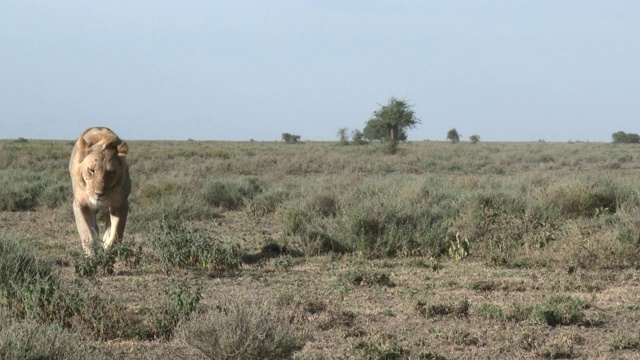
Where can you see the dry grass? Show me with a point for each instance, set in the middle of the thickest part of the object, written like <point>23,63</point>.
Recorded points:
<point>489,250</point>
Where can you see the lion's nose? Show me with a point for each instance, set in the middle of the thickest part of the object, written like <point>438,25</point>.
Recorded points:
<point>99,193</point>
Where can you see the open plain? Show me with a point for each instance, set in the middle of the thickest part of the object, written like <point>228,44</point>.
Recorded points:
<point>322,251</point>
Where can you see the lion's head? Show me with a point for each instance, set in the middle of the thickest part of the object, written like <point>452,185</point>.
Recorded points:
<point>101,164</point>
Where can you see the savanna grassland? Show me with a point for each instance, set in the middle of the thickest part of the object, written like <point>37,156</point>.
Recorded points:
<point>241,250</point>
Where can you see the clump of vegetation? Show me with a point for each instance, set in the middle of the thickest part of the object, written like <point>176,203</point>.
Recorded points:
<point>460,309</point>
<point>367,277</point>
<point>28,339</point>
<point>559,310</point>
<point>29,286</point>
<point>556,310</point>
<point>103,261</point>
<point>179,306</point>
<point>266,203</point>
<point>587,197</point>
<point>31,290</point>
<point>231,195</point>
<point>621,137</point>
<point>177,245</point>
<point>20,193</point>
<point>384,346</point>
<point>243,328</point>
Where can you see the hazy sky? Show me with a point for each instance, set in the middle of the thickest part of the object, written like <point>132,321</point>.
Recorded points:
<point>238,70</point>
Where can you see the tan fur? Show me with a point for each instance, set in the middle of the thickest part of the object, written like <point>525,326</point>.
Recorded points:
<point>100,179</point>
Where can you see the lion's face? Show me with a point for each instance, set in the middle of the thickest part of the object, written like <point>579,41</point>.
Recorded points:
<point>102,172</point>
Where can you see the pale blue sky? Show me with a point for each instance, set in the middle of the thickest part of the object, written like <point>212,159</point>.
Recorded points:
<point>239,70</point>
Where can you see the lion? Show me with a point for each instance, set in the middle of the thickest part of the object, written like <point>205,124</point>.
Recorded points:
<point>100,180</point>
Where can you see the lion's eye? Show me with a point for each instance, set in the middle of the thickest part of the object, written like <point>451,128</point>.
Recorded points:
<point>91,171</point>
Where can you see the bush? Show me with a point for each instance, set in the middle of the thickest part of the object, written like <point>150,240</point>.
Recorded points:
<point>176,245</point>
<point>28,285</point>
<point>388,230</point>
<point>30,340</point>
<point>243,329</point>
<point>19,192</point>
<point>56,194</point>
<point>587,197</point>
<point>461,309</point>
<point>556,310</point>
<point>231,195</point>
<point>266,203</point>
<point>178,307</point>
<point>103,261</point>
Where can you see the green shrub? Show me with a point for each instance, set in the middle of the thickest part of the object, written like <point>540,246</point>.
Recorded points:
<point>556,310</point>
<point>103,261</point>
<point>177,245</point>
<point>19,192</point>
<point>367,277</point>
<point>490,312</point>
<point>231,195</point>
<point>383,346</point>
<point>30,340</point>
<point>56,194</point>
<point>31,290</point>
<point>325,205</point>
<point>429,310</point>
<point>559,310</point>
<point>266,203</point>
<point>178,307</point>
<point>392,229</point>
<point>587,196</point>
<point>243,328</point>
<point>27,284</point>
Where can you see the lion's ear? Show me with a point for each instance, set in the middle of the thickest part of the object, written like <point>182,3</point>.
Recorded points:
<point>82,144</point>
<point>123,148</point>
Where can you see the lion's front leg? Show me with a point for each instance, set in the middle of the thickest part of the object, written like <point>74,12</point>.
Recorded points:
<point>87,227</point>
<point>115,226</point>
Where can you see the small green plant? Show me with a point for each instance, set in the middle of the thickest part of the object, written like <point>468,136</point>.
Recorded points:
<point>104,260</point>
<point>625,343</point>
<point>361,277</point>
<point>558,310</point>
<point>266,203</point>
<point>384,346</point>
<point>460,309</point>
<point>180,303</point>
<point>490,312</point>
<point>460,336</point>
<point>459,248</point>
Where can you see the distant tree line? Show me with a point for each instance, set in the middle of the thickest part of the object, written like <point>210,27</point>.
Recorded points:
<point>389,125</point>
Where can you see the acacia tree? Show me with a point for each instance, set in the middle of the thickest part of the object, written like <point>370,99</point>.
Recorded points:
<point>391,122</point>
<point>453,136</point>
